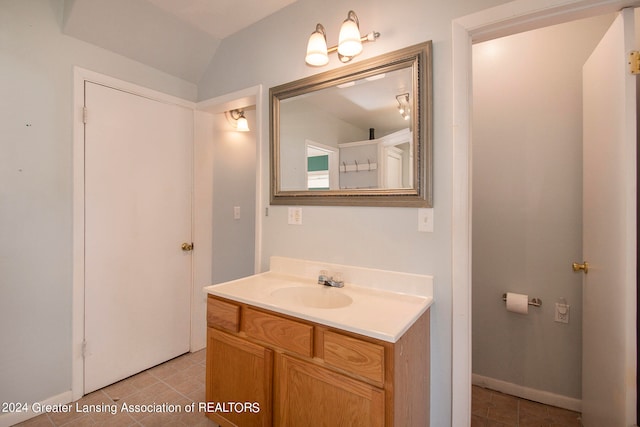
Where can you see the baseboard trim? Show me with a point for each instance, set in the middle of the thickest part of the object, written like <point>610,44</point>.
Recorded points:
<point>11,418</point>
<point>541,396</point>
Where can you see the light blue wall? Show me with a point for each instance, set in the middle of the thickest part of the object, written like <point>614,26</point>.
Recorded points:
<point>36,65</point>
<point>234,184</point>
<point>527,203</point>
<point>270,53</point>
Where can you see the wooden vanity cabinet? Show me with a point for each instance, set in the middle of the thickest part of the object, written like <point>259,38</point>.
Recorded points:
<point>303,373</point>
<point>306,394</point>
<point>242,372</point>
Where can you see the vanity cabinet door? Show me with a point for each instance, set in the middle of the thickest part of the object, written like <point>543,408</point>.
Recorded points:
<point>241,372</point>
<point>307,394</point>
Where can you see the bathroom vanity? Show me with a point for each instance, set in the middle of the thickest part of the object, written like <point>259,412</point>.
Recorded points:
<point>283,350</point>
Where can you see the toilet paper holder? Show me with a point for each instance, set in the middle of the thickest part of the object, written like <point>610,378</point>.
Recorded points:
<point>536,302</point>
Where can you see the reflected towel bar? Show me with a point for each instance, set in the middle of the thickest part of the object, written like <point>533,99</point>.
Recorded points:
<point>536,302</point>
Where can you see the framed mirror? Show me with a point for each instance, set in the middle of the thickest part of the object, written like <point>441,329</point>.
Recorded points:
<point>359,135</point>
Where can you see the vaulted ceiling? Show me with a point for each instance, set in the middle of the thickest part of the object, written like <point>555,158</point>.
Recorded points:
<point>179,37</point>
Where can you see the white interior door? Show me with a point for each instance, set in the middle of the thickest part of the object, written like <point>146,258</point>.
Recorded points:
<point>609,236</point>
<point>393,168</point>
<point>137,215</point>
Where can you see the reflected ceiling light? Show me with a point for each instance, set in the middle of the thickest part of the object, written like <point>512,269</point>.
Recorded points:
<point>242,125</point>
<point>347,84</point>
<point>375,77</point>
<point>403,105</point>
<point>349,42</point>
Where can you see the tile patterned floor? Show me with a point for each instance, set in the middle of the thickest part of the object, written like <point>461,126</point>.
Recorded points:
<point>178,382</point>
<point>494,409</point>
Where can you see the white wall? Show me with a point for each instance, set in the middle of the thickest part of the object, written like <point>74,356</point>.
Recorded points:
<point>36,65</point>
<point>527,203</point>
<point>387,238</point>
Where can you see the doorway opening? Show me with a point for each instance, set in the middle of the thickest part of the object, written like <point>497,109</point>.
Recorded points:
<point>527,214</point>
<point>492,23</point>
<point>137,280</point>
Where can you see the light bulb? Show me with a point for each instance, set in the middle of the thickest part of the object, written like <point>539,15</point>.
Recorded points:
<point>317,49</point>
<point>349,43</point>
<point>243,124</point>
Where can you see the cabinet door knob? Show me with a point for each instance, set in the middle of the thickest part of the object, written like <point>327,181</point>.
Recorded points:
<point>187,247</point>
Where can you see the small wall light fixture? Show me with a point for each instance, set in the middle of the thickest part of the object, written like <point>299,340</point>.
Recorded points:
<point>403,106</point>
<point>349,42</point>
<point>242,125</point>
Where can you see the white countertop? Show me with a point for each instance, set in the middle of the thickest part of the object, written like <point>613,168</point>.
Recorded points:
<point>373,312</point>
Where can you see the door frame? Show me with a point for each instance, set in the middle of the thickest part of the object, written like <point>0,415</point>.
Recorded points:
<point>500,21</point>
<point>80,75</point>
<point>203,196</point>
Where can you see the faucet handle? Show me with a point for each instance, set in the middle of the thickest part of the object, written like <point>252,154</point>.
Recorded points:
<point>323,277</point>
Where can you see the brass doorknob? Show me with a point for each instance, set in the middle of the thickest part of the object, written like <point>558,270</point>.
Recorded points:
<point>584,266</point>
<point>187,247</point>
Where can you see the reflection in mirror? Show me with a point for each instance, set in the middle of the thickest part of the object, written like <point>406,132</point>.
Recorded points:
<point>345,129</point>
<point>357,135</point>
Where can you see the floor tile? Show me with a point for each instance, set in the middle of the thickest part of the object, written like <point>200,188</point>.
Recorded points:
<point>490,408</point>
<point>178,382</point>
<point>181,382</point>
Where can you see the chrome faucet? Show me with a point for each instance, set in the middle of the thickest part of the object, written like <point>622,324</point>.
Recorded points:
<point>326,280</point>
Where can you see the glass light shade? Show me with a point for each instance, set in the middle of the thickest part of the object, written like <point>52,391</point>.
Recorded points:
<point>317,50</point>
<point>349,43</point>
<point>243,124</point>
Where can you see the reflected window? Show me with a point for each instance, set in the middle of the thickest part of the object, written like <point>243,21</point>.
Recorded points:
<point>318,172</point>
<point>321,166</point>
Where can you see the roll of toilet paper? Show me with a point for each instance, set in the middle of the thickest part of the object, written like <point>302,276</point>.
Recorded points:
<point>517,303</point>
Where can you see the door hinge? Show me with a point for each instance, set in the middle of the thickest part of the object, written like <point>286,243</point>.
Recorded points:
<point>634,62</point>
<point>84,349</point>
<point>84,115</point>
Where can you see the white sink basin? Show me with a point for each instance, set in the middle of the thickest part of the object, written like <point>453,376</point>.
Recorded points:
<point>315,297</point>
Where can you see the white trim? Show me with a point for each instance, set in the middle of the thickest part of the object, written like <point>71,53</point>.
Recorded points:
<point>77,320</point>
<point>129,87</point>
<point>12,418</point>
<point>461,230</point>
<point>358,143</point>
<point>506,19</point>
<point>80,75</point>
<point>523,392</point>
<point>230,101</point>
<point>524,15</point>
<point>202,222</point>
<point>261,119</point>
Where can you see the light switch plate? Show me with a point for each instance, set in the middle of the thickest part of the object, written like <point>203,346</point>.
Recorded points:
<point>295,216</point>
<point>425,220</point>
<point>236,212</point>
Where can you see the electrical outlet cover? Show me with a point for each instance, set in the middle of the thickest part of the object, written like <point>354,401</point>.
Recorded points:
<point>562,313</point>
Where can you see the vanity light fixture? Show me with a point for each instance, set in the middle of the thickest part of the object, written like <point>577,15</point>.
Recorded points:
<point>403,105</point>
<point>241,123</point>
<point>349,42</point>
